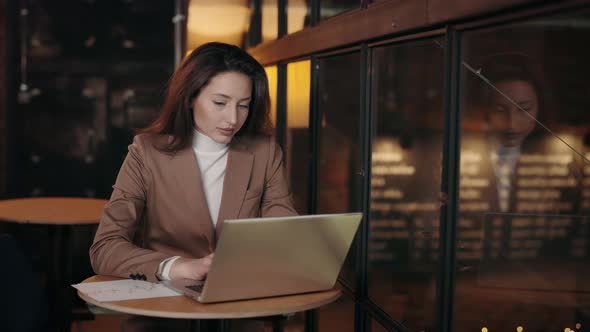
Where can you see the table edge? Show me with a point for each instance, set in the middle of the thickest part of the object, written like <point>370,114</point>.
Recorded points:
<point>93,202</point>
<point>195,315</point>
<point>51,223</point>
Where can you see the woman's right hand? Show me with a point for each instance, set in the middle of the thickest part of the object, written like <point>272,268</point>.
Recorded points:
<point>190,268</point>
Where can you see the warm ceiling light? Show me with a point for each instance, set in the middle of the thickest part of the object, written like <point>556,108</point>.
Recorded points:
<point>213,20</point>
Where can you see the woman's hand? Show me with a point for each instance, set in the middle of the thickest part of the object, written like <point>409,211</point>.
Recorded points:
<point>188,268</point>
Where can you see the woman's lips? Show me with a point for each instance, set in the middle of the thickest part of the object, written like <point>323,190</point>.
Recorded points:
<point>226,131</point>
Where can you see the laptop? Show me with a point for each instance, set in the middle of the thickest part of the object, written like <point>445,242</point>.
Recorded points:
<point>264,257</point>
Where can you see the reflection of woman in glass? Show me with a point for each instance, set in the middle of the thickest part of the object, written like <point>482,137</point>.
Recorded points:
<point>510,115</point>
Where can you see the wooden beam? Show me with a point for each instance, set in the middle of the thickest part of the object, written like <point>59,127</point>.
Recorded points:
<point>383,19</point>
<point>348,28</point>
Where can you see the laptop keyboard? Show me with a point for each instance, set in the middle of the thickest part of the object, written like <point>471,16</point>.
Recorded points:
<point>196,288</point>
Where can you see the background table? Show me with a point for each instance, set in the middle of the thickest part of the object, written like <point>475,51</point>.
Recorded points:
<point>185,308</point>
<point>52,210</point>
<point>60,214</point>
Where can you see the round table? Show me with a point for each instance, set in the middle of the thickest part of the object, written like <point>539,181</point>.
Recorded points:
<point>186,308</point>
<point>60,214</point>
<point>52,210</point>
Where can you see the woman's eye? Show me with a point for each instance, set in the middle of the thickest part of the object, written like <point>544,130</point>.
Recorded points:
<point>500,110</point>
<point>218,103</point>
<point>244,106</point>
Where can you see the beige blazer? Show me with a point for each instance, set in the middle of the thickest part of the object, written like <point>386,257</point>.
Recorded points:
<point>158,207</point>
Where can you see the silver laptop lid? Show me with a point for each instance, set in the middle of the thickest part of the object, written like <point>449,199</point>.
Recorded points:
<point>263,257</point>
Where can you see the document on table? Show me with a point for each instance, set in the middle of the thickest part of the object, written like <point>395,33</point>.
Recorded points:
<point>127,289</point>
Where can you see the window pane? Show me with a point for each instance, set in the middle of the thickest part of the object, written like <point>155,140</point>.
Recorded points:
<point>329,8</point>
<point>270,20</point>
<point>298,15</point>
<point>522,241</point>
<point>339,148</point>
<point>407,149</point>
<point>337,316</point>
<point>297,146</point>
<point>376,327</point>
<point>272,74</point>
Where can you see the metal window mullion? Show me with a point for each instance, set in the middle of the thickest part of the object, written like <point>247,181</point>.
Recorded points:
<point>311,316</point>
<point>281,130</point>
<point>179,20</point>
<point>315,12</point>
<point>361,321</point>
<point>449,182</point>
<point>255,32</point>
<point>314,139</point>
<point>8,184</point>
<point>282,21</point>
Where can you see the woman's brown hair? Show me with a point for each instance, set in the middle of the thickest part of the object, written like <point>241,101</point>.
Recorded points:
<point>193,74</point>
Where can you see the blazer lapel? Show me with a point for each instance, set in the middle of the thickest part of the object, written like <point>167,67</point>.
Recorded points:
<point>235,183</point>
<point>189,174</point>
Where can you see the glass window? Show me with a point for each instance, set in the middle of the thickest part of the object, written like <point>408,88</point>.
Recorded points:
<point>522,232</point>
<point>297,145</point>
<point>270,20</point>
<point>298,15</point>
<point>272,74</point>
<point>337,316</point>
<point>329,8</point>
<point>376,327</point>
<point>339,148</point>
<point>407,103</point>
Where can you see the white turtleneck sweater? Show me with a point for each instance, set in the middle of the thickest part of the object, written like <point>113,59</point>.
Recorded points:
<point>212,159</point>
<point>504,160</point>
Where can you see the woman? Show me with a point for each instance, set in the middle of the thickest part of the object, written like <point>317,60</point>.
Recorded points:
<point>205,159</point>
<point>511,119</point>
